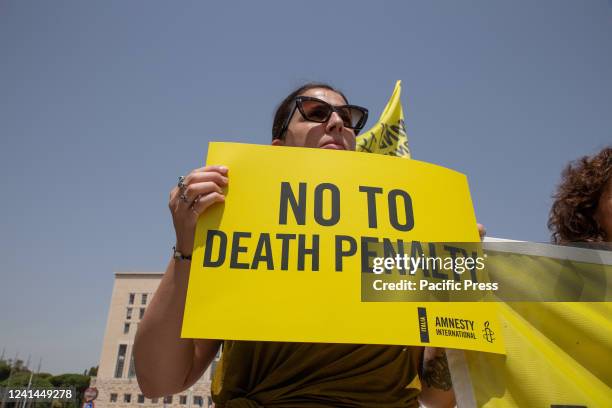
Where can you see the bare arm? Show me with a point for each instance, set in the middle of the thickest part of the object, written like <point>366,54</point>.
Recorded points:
<point>166,364</point>
<point>437,387</point>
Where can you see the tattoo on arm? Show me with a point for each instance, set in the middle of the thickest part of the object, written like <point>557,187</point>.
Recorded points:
<point>436,373</point>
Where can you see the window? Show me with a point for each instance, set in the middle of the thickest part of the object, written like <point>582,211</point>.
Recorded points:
<point>209,401</point>
<point>132,369</point>
<point>113,397</point>
<point>142,309</point>
<point>140,398</point>
<point>126,328</point>
<point>128,314</point>
<point>127,398</point>
<point>143,300</point>
<point>131,300</point>
<point>183,399</point>
<point>197,400</point>
<point>168,399</point>
<point>120,360</point>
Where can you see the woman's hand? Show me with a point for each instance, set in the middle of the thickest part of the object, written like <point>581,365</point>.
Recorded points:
<point>196,192</point>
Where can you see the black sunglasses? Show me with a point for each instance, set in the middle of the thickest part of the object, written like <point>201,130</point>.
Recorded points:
<point>315,110</point>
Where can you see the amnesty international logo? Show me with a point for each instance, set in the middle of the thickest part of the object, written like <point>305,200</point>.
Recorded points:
<point>487,333</point>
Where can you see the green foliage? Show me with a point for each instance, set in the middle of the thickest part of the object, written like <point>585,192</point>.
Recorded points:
<point>5,369</point>
<point>44,375</point>
<point>18,366</point>
<point>21,379</point>
<point>20,376</point>
<point>8,366</point>
<point>78,381</point>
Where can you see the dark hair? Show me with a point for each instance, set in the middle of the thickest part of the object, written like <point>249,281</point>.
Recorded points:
<point>284,109</point>
<point>572,214</point>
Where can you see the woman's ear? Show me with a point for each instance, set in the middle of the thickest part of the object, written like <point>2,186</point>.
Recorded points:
<point>278,142</point>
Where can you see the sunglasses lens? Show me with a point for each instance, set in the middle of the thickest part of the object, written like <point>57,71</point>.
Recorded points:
<point>320,111</point>
<point>352,117</point>
<point>346,115</point>
<point>316,111</point>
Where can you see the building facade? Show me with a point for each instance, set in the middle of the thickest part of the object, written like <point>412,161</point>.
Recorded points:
<point>116,378</point>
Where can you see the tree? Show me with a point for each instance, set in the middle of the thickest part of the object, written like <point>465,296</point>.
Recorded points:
<point>21,380</point>
<point>16,372</point>
<point>18,366</point>
<point>78,381</point>
<point>5,370</point>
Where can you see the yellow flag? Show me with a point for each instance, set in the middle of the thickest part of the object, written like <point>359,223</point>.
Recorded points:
<point>558,353</point>
<point>388,136</point>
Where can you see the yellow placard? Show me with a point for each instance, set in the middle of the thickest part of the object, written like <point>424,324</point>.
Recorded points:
<point>281,259</point>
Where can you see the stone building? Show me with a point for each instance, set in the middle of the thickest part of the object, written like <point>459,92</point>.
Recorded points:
<point>116,378</point>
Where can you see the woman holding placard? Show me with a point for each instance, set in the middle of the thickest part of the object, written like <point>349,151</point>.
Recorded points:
<point>254,374</point>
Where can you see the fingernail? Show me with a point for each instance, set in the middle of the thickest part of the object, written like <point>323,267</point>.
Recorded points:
<point>223,168</point>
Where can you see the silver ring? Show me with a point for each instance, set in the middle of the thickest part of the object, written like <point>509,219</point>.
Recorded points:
<point>183,198</point>
<point>181,183</point>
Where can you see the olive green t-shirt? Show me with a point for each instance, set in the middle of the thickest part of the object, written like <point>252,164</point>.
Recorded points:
<point>300,375</point>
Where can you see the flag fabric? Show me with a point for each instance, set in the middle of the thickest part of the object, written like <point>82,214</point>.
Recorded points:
<point>557,353</point>
<point>388,136</point>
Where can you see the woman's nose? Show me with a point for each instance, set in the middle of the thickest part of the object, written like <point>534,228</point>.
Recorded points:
<point>335,122</point>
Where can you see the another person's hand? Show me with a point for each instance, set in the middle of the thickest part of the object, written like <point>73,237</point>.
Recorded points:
<point>482,231</point>
<point>195,193</point>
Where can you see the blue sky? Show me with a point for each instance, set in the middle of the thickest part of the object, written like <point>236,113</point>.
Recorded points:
<point>104,104</point>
